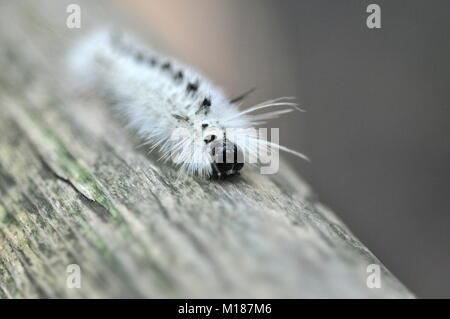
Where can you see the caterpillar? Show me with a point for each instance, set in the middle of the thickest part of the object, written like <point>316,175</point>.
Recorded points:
<point>173,108</point>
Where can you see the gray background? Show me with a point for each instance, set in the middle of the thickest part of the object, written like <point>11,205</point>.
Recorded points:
<point>377,126</point>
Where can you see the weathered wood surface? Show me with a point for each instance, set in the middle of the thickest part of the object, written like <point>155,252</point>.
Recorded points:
<point>75,189</point>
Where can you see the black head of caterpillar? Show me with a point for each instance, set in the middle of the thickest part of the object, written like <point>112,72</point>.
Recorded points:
<point>227,159</point>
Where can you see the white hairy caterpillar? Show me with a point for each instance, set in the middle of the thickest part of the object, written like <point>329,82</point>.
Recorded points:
<point>173,108</point>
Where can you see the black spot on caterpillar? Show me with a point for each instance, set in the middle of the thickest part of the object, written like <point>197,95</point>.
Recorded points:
<point>166,66</point>
<point>192,87</point>
<point>139,56</point>
<point>209,139</point>
<point>205,106</point>
<point>178,76</point>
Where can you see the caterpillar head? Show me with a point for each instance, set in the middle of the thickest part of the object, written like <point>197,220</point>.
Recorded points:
<point>227,159</point>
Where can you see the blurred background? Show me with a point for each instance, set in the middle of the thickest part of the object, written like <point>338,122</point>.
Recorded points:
<point>378,107</point>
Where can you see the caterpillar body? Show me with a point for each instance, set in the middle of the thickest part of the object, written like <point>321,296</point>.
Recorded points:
<point>173,108</point>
